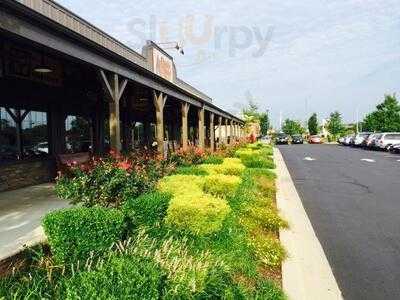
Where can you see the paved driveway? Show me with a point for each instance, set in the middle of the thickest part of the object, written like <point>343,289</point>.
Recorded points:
<point>21,212</point>
<point>352,198</point>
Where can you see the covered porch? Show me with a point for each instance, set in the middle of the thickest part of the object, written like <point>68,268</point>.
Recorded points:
<point>68,91</point>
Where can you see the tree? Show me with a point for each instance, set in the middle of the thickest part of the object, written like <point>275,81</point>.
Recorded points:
<point>264,123</point>
<point>292,127</point>
<point>335,125</point>
<point>250,112</point>
<point>385,118</point>
<point>313,124</point>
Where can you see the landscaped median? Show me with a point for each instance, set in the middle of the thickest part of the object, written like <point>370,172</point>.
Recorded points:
<point>197,226</point>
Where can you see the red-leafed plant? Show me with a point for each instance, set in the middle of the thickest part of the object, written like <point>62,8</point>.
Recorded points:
<point>111,180</point>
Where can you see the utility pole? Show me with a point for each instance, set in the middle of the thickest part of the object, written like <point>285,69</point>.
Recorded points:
<point>357,120</point>
<point>280,120</point>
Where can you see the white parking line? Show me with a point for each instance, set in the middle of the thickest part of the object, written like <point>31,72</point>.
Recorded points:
<point>367,160</point>
<point>308,158</point>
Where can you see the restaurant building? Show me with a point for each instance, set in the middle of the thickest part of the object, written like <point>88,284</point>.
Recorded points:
<point>68,89</point>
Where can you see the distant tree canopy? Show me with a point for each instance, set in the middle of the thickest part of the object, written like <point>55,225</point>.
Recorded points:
<point>313,124</point>
<point>252,114</point>
<point>385,118</point>
<point>292,127</point>
<point>335,125</point>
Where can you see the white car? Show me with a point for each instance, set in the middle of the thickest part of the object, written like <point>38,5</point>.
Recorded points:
<point>347,140</point>
<point>360,138</point>
<point>265,139</point>
<point>388,139</point>
<point>42,147</point>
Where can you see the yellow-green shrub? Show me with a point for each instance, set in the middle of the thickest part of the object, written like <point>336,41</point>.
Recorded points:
<point>182,184</point>
<point>198,214</point>
<point>210,169</point>
<point>221,185</point>
<point>265,217</point>
<point>230,166</point>
<point>266,186</point>
<point>268,249</point>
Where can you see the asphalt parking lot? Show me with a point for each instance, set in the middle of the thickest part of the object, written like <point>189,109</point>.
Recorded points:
<point>352,198</point>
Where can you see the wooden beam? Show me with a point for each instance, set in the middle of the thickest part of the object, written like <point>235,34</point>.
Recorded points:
<point>106,84</point>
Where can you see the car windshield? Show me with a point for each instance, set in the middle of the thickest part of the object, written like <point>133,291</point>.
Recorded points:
<point>281,135</point>
<point>296,136</point>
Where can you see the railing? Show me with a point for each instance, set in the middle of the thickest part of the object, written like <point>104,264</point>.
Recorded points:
<point>61,15</point>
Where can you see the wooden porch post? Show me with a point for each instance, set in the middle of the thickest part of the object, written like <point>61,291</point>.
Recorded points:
<point>226,131</point>
<point>159,103</point>
<point>220,130</point>
<point>115,90</point>
<point>201,127</point>
<point>212,133</point>
<point>185,112</point>
<point>231,132</point>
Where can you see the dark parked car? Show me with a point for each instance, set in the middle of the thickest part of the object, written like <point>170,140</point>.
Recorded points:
<point>282,138</point>
<point>297,139</point>
<point>395,148</point>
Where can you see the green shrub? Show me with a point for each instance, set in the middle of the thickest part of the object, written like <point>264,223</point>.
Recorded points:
<point>221,185</point>
<point>182,184</point>
<point>267,151</point>
<point>147,209</point>
<point>74,233</point>
<point>199,214</point>
<point>214,160</point>
<point>255,146</point>
<point>190,170</point>
<point>120,278</point>
<point>256,161</point>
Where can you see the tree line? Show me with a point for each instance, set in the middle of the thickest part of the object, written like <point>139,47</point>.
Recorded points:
<point>385,118</point>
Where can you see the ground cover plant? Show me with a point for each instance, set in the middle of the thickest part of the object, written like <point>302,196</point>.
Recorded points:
<point>205,231</point>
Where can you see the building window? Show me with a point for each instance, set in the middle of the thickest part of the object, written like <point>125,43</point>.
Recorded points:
<point>78,137</point>
<point>8,137</point>
<point>35,134</point>
<point>23,134</point>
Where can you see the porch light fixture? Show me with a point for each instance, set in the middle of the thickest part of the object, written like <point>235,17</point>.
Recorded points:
<point>42,69</point>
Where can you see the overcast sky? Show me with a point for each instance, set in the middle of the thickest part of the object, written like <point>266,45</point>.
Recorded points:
<point>289,55</point>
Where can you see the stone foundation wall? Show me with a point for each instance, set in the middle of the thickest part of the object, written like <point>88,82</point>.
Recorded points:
<point>23,174</point>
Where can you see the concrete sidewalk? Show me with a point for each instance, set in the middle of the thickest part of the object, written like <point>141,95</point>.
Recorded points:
<point>306,273</point>
<point>21,212</point>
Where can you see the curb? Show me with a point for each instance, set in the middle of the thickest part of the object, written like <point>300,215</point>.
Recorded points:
<point>306,273</point>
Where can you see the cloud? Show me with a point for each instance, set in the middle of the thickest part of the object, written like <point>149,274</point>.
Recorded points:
<point>336,53</point>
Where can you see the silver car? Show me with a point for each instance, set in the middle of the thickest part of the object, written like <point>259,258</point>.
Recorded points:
<point>388,139</point>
